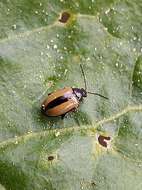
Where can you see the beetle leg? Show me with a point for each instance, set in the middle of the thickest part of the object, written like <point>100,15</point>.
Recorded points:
<point>62,116</point>
<point>72,110</point>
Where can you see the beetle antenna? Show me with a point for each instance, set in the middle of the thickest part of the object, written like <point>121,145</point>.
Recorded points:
<point>84,77</point>
<point>85,84</point>
<point>98,95</point>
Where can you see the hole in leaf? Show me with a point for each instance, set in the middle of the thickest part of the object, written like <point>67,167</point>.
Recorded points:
<point>50,158</point>
<point>93,183</point>
<point>102,140</point>
<point>64,17</point>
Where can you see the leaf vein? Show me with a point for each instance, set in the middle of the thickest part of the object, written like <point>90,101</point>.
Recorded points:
<point>136,108</point>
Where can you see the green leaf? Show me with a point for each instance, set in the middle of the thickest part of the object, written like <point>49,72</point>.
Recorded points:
<point>41,49</point>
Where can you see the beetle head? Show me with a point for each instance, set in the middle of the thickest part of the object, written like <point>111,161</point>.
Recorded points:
<point>83,92</point>
<point>80,93</point>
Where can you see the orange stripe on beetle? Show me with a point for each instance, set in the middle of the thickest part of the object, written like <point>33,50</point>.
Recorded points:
<point>61,92</point>
<point>63,108</point>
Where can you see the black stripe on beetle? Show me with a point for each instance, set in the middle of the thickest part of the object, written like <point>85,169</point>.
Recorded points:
<point>56,102</point>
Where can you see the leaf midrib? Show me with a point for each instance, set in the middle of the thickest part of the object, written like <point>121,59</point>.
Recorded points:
<point>134,108</point>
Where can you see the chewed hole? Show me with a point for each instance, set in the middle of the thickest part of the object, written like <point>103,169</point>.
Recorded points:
<point>50,158</point>
<point>103,140</point>
<point>93,183</point>
<point>64,17</point>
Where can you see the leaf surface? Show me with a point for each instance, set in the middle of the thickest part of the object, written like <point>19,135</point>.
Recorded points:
<point>39,54</point>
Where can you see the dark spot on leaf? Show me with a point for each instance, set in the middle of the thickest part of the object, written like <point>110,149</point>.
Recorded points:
<point>102,141</point>
<point>64,17</point>
<point>93,183</point>
<point>50,158</point>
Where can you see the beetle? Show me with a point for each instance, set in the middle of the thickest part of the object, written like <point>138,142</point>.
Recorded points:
<point>66,100</point>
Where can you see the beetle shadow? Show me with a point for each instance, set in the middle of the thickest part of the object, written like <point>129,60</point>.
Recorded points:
<point>44,121</point>
<point>47,122</point>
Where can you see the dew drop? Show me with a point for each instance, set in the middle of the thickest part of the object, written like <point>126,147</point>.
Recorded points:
<point>132,27</point>
<point>13,91</point>
<point>16,142</point>
<point>49,56</point>
<point>36,12</point>
<point>47,46</point>
<point>134,38</point>
<point>88,59</point>
<point>41,53</point>
<point>100,19</point>
<point>116,64</point>
<point>107,11</point>
<point>65,72</point>
<point>55,46</point>
<point>25,86</point>
<point>14,26</point>
<point>134,49</point>
<point>57,134</point>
